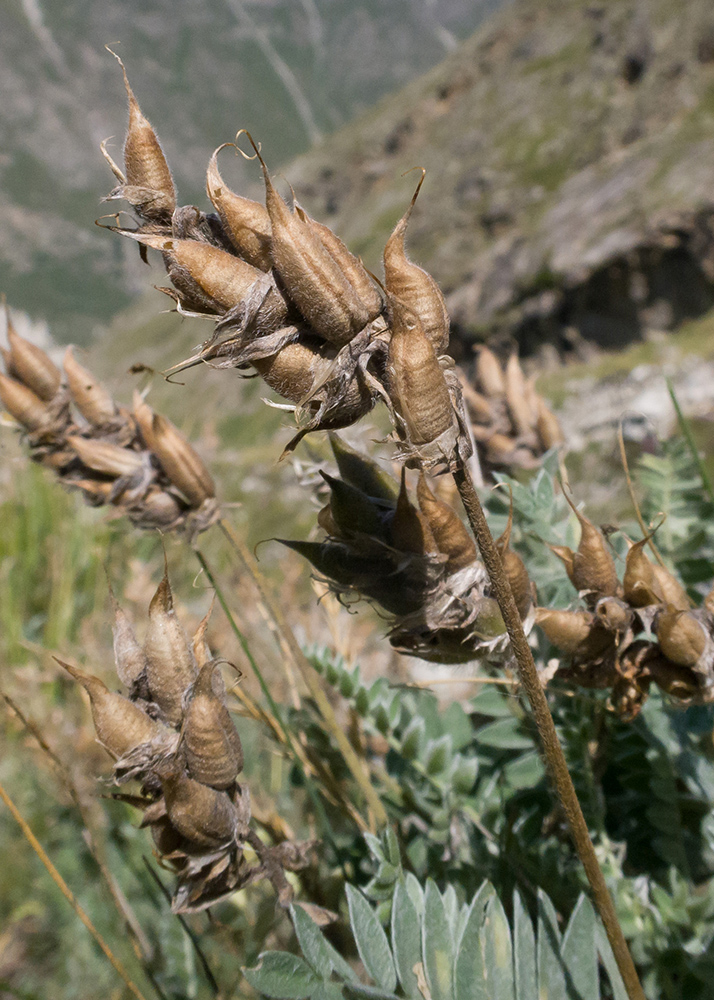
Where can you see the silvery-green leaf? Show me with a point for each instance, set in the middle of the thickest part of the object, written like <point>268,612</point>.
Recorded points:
<point>316,949</point>
<point>406,939</point>
<point>498,952</point>
<point>283,976</point>
<point>524,952</point>
<point>551,978</point>
<point>371,941</point>
<point>579,953</point>
<point>437,944</point>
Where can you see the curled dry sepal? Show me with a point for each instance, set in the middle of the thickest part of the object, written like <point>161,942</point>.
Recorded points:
<point>632,632</point>
<point>511,423</point>
<point>173,734</point>
<point>136,461</point>
<point>294,306</point>
<point>414,559</point>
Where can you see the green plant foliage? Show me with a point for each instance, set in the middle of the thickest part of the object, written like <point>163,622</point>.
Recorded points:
<point>440,948</point>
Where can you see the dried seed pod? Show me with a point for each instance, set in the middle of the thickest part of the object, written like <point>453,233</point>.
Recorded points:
<point>354,511</point>
<point>514,568</point>
<point>417,386</point>
<point>312,279</point>
<point>614,614</point>
<point>489,623</point>
<point>682,636</point>
<point>23,404</point>
<point>31,365</point>
<point>209,279</point>
<point>639,582</point>
<point>674,679</point>
<point>175,454</point>
<point>517,397</point>
<point>88,395</point>
<point>120,725</point>
<point>246,222</point>
<point>548,427</point>
<point>295,369</point>
<point>203,815</point>
<point>412,284</point>
<point>449,532</point>
<point>362,472</point>
<point>709,601</point>
<point>479,408</point>
<point>103,456</point>
<point>489,373</point>
<point>210,742</point>
<point>158,509</point>
<point>351,266</point>
<point>573,632</point>
<point>409,528</point>
<point>129,656</point>
<point>170,665</point>
<point>670,589</point>
<point>148,184</point>
<point>593,568</point>
<point>96,491</point>
<point>335,561</point>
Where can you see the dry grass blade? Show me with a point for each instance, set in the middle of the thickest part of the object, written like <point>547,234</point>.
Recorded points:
<point>68,894</point>
<point>304,668</point>
<point>631,490</point>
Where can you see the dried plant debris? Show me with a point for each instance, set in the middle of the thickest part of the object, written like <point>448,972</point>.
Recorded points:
<point>511,423</point>
<point>292,305</point>
<point>630,633</point>
<point>414,559</point>
<point>136,461</point>
<point>173,733</point>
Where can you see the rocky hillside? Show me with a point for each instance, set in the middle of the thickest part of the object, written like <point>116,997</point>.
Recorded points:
<point>292,71</point>
<point>570,157</point>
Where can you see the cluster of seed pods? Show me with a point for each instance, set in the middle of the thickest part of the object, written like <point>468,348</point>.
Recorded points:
<point>136,461</point>
<point>511,423</point>
<point>609,640</point>
<point>292,304</point>
<point>173,733</point>
<point>415,561</point>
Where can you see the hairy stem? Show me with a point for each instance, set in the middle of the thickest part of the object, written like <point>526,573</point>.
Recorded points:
<point>546,728</point>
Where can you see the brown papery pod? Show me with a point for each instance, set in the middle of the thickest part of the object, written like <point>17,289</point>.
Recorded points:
<point>30,364</point>
<point>451,537</point>
<point>96,491</point>
<point>245,221</point>
<point>614,614</point>
<point>548,426</point>
<point>593,567</point>
<point>312,278</point>
<point>203,815</point>
<point>517,397</point>
<point>88,394</point>
<point>417,386</point>
<point>409,528</point>
<point>681,636</point>
<point>709,601</point>
<point>170,664</point>
<point>103,456</point>
<point>210,742</point>
<point>639,582</point>
<point>220,278</point>
<point>175,454</point>
<point>148,184</point>
<point>295,369</point>
<point>489,372</point>
<point>23,404</point>
<point>573,632</point>
<point>363,472</point>
<point>411,283</point>
<point>119,723</point>
<point>129,656</point>
<point>477,405</point>
<point>670,588</point>
<point>351,266</point>
<point>514,568</point>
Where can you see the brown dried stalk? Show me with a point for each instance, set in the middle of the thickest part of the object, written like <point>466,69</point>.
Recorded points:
<point>552,750</point>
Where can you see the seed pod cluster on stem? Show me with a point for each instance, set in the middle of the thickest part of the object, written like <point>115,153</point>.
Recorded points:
<point>135,461</point>
<point>630,633</point>
<point>292,304</point>
<point>173,734</point>
<point>413,558</point>
<point>511,423</point>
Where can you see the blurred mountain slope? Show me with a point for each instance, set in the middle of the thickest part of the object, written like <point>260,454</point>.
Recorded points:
<point>291,71</point>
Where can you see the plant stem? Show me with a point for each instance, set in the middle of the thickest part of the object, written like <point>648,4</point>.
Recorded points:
<point>307,672</point>
<point>67,893</point>
<point>552,750</point>
<point>687,431</point>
